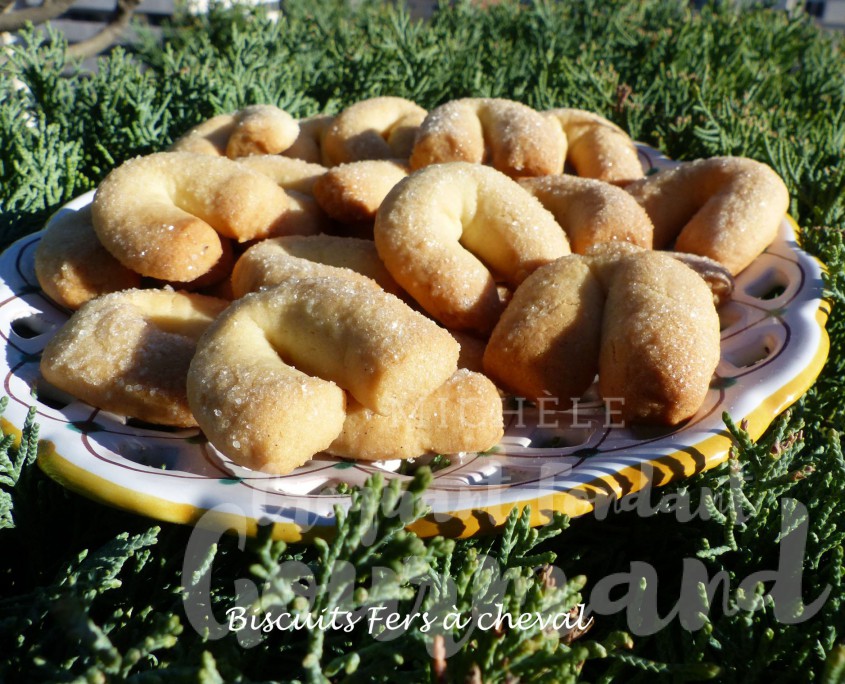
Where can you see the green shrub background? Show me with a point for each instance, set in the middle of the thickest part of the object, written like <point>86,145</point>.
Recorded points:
<point>91,594</point>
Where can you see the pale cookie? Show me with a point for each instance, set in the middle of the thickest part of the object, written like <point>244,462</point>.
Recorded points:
<point>266,383</point>
<point>271,262</point>
<point>463,414</point>
<point>162,215</point>
<point>128,353</point>
<point>308,145</point>
<point>448,232</point>
<point>377,128</point>
<point>71,264</point>
<point>298,179</point>
<point>291,174</point>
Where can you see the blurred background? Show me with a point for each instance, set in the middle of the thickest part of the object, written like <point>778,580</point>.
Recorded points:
<point>93,26</point>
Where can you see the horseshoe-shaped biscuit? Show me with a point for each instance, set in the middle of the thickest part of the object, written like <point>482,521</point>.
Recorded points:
<point>508,135</point>
<point>266,383</point>
<point>162,215</point>
<point>448,231</point>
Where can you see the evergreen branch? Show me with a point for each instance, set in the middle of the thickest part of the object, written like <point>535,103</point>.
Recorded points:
<point>107,35</point>
<point>13,461</point>
<point>18,19</point>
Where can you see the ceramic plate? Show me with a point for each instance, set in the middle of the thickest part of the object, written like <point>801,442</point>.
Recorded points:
<point>773,347</point>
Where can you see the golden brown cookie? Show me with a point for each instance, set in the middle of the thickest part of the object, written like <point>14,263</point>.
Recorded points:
<point>598,148</point>
<point>352,193</point>
<point>643,320</point>
<point>377,128</point>
<point>592,211</point>
<point>257,129</point>
<point>546,344</point>
<point>660,339</point>
<point>725,208</point>
<point>508,135</point>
